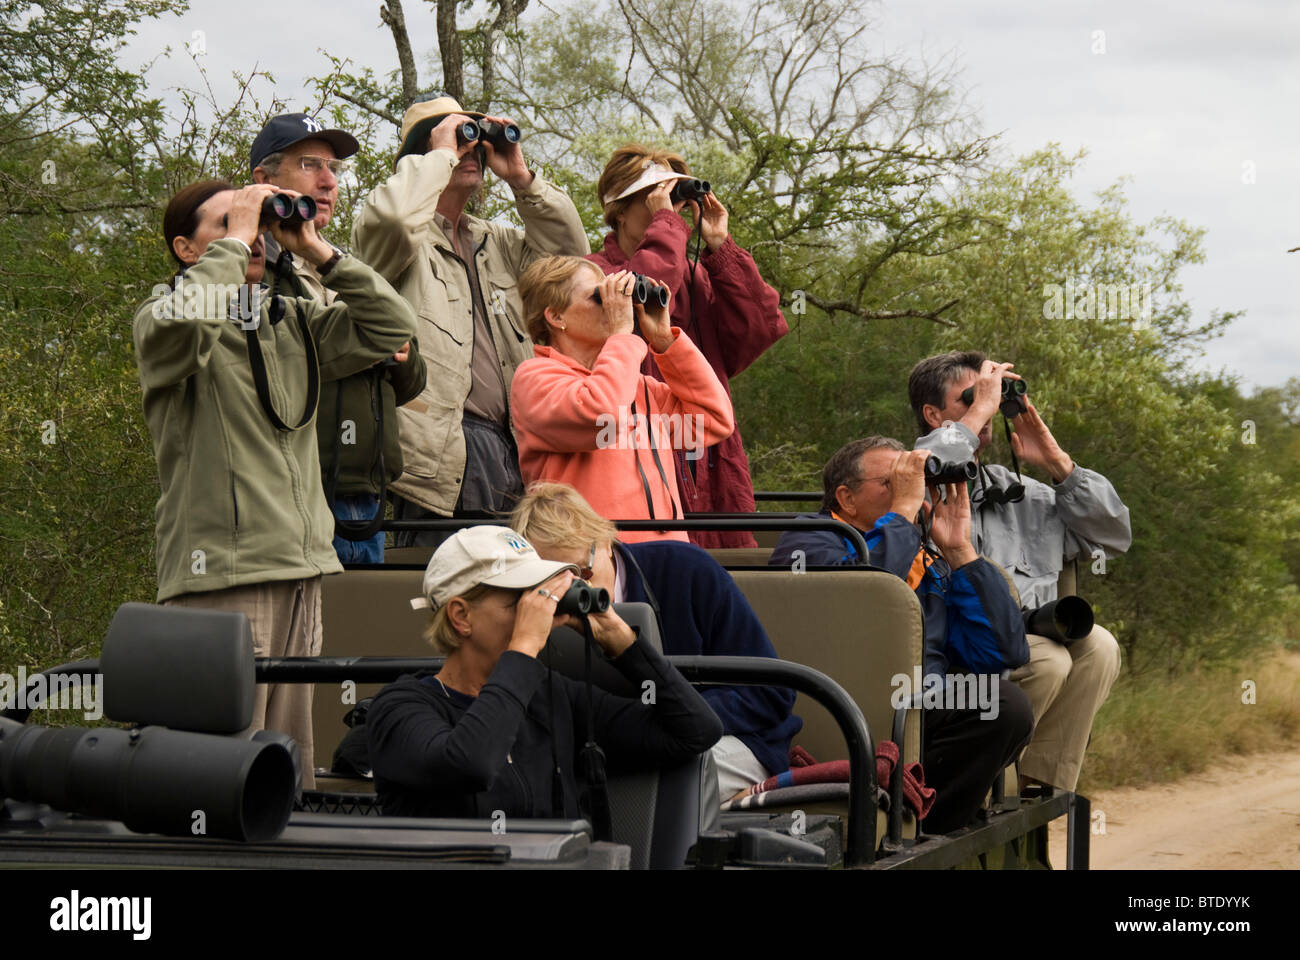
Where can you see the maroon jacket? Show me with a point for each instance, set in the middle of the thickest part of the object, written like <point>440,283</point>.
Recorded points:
<point>737,317</point>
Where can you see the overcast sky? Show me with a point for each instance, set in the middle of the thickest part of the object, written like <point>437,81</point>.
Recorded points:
<point>1190,100</point>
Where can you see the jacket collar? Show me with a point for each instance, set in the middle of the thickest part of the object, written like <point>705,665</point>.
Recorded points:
<point>613,252</point>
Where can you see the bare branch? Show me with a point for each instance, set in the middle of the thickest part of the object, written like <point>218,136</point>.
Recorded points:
<point>391,13</point>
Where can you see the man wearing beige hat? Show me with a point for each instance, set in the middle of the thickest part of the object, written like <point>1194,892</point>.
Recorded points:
<point>460,273</point>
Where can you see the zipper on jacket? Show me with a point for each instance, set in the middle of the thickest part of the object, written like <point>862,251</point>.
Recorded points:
<point>234,499</point>
<point>523,784</point>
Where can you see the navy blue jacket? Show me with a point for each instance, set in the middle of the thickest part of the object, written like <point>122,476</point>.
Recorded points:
<point>702,611</point>
<point>971,621</point>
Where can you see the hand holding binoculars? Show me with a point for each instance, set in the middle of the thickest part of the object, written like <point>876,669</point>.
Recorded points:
<point>644,291</point>
<point>500,135</point>
<point>1013,391</point>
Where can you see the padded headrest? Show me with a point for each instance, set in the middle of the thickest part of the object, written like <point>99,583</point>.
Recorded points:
<point>179,667</point>
<point>566,650</point>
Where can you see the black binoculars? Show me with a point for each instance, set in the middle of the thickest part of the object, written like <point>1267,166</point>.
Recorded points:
<point>1012,404</point>
<point>582,598</point>
<point>938,472</point>
<point>498,134</point>
<point>689,189</point>
<point>645,291</point>
<point>1064,620</point>
<point>289,212</point>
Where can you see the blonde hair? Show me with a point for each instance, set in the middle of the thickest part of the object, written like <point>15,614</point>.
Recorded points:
<point>546,284</point>
<point>440,633</point>
<point>629,162</point>
<point>556,515</point>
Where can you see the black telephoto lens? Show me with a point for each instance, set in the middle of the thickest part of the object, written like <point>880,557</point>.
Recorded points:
<point>938,472</point>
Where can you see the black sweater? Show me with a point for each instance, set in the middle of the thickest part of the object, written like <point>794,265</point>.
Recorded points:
<point>439,754</point>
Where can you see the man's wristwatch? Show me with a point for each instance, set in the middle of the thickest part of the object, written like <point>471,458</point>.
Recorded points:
<point>329,264</point>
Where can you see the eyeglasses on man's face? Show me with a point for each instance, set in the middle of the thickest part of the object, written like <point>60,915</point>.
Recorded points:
<point>311,164</point>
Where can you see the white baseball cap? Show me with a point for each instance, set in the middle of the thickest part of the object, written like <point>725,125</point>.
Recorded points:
<point>651,174</point>
<point>487,554</point>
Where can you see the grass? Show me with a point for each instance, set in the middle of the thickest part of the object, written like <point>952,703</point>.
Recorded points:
<point>1156,728</point>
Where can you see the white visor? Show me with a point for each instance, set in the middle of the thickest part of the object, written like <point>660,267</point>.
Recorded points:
<point>652,174</point>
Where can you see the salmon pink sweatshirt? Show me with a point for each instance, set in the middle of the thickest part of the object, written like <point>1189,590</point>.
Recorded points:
<point>588,428</point>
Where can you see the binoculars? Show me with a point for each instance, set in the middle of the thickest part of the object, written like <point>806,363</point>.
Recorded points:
<point>289,212</point>
<point>582,598</point>
<point>645,291</point>
<point>1064,620</point>
<point>498,134</point>
<point>1012,404</point>
<point>689,189</point>
<point>939,472</point>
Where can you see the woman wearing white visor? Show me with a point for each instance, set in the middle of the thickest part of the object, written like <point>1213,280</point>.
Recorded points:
<point>722,304</point>
<point>476,737</point>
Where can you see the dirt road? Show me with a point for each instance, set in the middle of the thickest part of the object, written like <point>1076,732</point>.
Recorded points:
<point>1242,814</point>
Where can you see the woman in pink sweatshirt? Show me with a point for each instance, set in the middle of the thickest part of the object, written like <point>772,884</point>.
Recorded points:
<point>583,412</point>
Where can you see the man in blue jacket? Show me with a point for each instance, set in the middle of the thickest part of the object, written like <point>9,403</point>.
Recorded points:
<point>973,628</point>
<point>700,610</point>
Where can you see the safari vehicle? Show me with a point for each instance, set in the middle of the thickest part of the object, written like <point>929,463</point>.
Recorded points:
<point>185,679</point>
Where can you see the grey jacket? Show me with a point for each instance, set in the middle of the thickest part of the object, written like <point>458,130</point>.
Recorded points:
<point>1054,523</point>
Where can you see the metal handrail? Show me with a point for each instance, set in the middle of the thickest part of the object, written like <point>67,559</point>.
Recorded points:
<point>727,671</point>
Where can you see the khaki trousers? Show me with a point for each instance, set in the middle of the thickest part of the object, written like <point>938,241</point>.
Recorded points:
<point>1066,686</point>
<point>285,619</point>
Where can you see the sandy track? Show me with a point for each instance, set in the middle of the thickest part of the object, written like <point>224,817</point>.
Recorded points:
<point>1242,814</point>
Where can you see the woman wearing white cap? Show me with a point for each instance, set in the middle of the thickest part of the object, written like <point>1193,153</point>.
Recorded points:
<point>476,737</point>
<point>723,306</point>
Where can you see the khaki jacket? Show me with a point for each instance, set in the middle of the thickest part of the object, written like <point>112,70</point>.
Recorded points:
<point>241,500</point>
<point>395,233</point>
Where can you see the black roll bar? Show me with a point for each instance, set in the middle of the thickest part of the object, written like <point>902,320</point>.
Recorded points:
<point>727,671</point>
<point>724,521</point>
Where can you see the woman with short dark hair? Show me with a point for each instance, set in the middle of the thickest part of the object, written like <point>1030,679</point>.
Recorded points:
<point>230,379</point>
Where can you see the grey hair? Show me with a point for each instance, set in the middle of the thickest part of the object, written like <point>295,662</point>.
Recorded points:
<point>841,469</point>
<point>930,379</point>
<point>271,163</point>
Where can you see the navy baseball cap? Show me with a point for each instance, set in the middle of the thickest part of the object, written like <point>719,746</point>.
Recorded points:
<point>289,128</point>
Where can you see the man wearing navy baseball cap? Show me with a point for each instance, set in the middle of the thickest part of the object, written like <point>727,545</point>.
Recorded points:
<point>356,422</point>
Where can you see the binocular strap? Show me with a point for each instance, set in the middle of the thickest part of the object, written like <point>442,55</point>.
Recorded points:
<point>258,364</point>
<point>592,760</point>
<point>654,452</point>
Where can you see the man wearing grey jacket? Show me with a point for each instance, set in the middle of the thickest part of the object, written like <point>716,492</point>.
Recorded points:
<point>1031,537</point>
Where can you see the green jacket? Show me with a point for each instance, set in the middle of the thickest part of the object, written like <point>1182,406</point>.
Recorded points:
<point>347,421</point>
<point>395,233</point>
<point>241,500</point>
